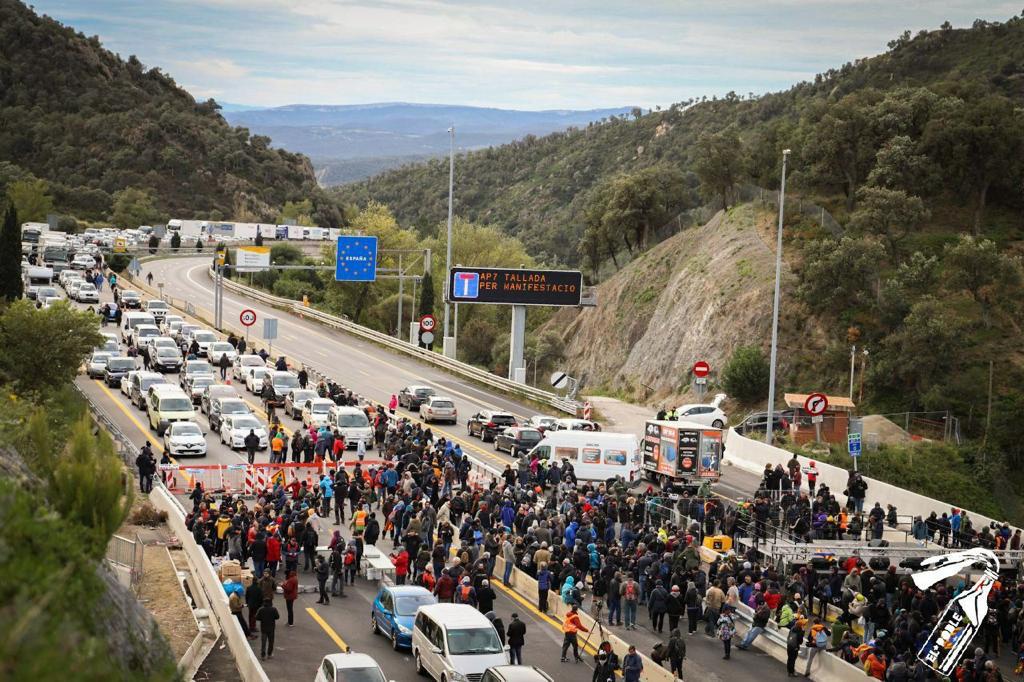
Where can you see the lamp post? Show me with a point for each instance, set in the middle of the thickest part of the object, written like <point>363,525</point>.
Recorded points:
<point>775,311</point>
<point>448,251</point>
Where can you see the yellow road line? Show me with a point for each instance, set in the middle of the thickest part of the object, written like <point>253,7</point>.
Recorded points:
<point>131,417</point>
<point>328,629</point>
<point>589,648</point>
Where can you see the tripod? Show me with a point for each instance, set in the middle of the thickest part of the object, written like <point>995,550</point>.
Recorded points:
<point>595,612</point>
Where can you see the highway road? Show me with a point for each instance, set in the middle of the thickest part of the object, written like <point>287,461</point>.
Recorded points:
<point>376,373</point>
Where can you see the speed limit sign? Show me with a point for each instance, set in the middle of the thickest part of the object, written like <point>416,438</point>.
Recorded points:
<point>427,323</point>
<point>248,317</point>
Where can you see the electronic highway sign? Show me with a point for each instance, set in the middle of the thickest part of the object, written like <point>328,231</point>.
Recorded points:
<point>514,286</point>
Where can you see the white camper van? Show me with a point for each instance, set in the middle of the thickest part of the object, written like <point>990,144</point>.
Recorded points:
<point>594,455</point>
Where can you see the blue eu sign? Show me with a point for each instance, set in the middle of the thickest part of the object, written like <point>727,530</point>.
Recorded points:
<point>357,259</point>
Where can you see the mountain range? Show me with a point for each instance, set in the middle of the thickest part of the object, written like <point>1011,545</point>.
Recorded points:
<point>351,142</point>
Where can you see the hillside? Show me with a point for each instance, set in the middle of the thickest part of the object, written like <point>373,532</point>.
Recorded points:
<point>91,124</point>
<point>539,188</point>
<point>352,142</point>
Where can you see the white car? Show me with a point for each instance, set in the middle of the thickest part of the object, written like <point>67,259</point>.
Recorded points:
<point>97,364</point>
<point>143,334</point>
<point>170,323</point>
<point>542,422</point>
<point>254,379</point>
<point>72,288</point>
<point>155,342</point>
<point>438,408</point>
<point>83,262</point>
<point>235,427</point>
<point>126,383</point>
<point>66,277</point>
<point>204,338</point>
<point>317,411</point>
<point>184,438</point>
<point>158,309</point>
<point>709,415</point>
<point>217,350</point>
<point>86,293</point>
<point>243,363</point>
<point>349,667</point>
<point>51,301</point>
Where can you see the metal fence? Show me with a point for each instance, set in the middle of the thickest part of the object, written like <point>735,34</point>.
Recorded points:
<point>127,553</point>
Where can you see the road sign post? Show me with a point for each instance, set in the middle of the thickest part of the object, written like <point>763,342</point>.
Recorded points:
<point>815,405</point>
<point>248,319</point>
<point>853,444</point>
<point>270,332</point>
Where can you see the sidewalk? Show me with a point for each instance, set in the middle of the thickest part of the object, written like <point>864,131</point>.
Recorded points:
<point>619,416</point>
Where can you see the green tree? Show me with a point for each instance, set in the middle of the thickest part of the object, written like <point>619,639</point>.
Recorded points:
<point>840,275</point>
<point>86,484</point>
<point>427,294</point>
<point>133,207</point>
<point>916,277</point>
<point>286,254</point>
<point>978,267</point>
<point>889,213</point>
<point>175,241</point>
<point>978,142</point>
<point>745,376</point>
<point>719,162</point>
<point>899,165</point>
<point>60,334</point>
<point>296,213</point>
<point>11,284</point>
<point>31,198</point>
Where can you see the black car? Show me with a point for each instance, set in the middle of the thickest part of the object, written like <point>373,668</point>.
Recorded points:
<point>130,300</point>
<point>517,439</point>
<point>117,369</point>
<point>487,424</point>
<point>411,397</point>
<point>221,406</point>
<point>756,422</point>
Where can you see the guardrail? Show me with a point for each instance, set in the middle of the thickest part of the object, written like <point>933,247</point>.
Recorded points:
<point>461,368</point>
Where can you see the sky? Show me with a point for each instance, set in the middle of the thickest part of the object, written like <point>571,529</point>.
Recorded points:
<point>518,54</point>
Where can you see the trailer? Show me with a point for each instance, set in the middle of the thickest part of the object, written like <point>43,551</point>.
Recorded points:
<point>267,230</point>
<point>295,232</point>
<point>682,454</point>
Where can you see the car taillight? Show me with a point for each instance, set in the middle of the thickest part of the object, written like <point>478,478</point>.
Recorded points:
<point>491,425</point>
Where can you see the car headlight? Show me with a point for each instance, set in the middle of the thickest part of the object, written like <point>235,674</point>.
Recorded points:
<point>459,677</point>
<point>404,630</point>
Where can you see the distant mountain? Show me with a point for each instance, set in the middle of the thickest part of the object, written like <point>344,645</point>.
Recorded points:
<point>351,142</point>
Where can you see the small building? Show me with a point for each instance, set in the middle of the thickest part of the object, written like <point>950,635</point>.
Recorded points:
<point>835,423</point>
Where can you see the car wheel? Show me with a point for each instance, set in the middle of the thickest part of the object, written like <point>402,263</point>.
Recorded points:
<point>394,641</point>
<point>420,670</point>
<point>484,438</point>
<point>469,429</point>
<point>718,423</point>
<point>374,628</point>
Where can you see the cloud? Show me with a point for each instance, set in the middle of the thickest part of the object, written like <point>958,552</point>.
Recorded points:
<point>210,68</point>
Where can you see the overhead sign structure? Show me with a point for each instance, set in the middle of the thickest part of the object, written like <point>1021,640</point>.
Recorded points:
<point>428,323</point>
<point>356,260</point>
<point>816,404</point>
<point>514,286</point>
<point>701,369</point>
<point>252,258</point>
<point>247,317</point>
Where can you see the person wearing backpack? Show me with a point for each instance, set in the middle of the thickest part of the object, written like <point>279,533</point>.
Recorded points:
<point>676,653</point>
<point>793,641</point>
<point>726,630</point>
<point>817,641</point>
<point>630,593</point>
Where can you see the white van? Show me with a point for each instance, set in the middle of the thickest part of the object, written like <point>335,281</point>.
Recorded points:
<point>455,642</point>
<point>594,455</point>
<point>352,423</point>
<point>168,404</point>
<point>129,321</point>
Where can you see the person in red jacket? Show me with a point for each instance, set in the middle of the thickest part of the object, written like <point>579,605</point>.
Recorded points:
<point>444,590</point>
<point>273,553</point>
<point>290,587</point>
<point>401,563</point>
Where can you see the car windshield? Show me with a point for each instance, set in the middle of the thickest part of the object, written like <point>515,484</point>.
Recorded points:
<point>359,675</point>
<point>121,364</point>
<point>164,342</point>
<point>473,641</point>
<point>168,352</point>
<point>406,606</point>
<point>354,420</point>
<point>129,294</point>
<point>202,381</point>
<point>176,405</point>
<point>234,407</point>
<point>423,392</point>
<point>157,305</point>
<point>299,396</point>
<point>529,434</point>
<point>147,331</point>
<point>503,419</point>
<point>252,361</point>
<point>222,347</point>
<point>205,337</point>
<point>200,368</point>
<point>285,381</point>
<point>87,287</point>
<point>144,384</point>
<point>185,430</point>
<point>443,404</point>
<point>319,408</point>
<point>247,423</point>
<point>101,358</point>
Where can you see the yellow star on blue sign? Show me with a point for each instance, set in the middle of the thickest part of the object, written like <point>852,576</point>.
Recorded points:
<point>357,259</point>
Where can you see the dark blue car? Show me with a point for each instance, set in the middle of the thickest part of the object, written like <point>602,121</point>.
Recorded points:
<point>394,610</point>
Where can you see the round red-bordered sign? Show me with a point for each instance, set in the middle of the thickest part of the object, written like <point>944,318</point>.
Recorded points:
<point>701,369</point>
<point>247,317</point>
<point>427,323</point>
<point>816,404</point>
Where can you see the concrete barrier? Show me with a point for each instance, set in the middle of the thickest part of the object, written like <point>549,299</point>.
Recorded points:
<point>751,455</point>
<point>245,658</point>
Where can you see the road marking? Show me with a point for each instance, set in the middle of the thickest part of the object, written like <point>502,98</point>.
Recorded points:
<point>130,416</point>
<point>589,648</point>
<point>328,629</point>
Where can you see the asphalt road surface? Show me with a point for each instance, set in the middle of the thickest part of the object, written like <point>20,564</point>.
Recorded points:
<point>377,373</point>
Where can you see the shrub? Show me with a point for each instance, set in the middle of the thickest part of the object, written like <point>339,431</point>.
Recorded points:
<point>745,377</point>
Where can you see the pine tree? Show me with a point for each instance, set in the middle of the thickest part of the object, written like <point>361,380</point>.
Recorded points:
<point>11,285</point>
<point>427,295</point>
<point>175,241</point>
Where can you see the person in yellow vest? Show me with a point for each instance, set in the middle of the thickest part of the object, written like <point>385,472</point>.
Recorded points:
<point>570,626</point>
<point>358,524</point>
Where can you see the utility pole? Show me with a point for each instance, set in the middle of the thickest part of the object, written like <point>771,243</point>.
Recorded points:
<point>863,371</point>
<point>401,293</point>
<point>775,311</point>
<point>853,365</point>
<point>448,251</point>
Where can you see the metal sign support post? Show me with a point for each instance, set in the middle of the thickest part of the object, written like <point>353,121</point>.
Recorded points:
<point>401,292</point>
<point>516,366</point>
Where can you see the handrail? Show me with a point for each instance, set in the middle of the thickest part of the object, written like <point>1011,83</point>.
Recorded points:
<point>461,368</point>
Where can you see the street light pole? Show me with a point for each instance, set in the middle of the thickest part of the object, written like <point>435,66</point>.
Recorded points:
<point>451,190</point>
<point>775,311</point>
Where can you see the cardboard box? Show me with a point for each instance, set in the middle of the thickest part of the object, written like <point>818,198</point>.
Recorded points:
<point>229,570</point>
<point>246,578</point>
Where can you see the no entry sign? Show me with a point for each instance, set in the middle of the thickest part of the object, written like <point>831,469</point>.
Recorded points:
<point>247,317</point>
<point>816,404</point>
<point>701,368</point>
